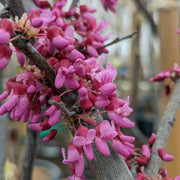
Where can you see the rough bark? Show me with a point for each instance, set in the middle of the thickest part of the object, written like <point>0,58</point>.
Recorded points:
<point>165,127</point>
<point>29,156</point>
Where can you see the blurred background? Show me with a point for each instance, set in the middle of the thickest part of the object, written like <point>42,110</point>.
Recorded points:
<point>154,48</point>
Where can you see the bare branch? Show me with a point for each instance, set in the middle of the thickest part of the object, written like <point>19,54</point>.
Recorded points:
<point>165,127</point>
<point>147,14</point>
<point>118,40</point>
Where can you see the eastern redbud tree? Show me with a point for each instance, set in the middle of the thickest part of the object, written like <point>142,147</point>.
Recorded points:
<point>63,80</point>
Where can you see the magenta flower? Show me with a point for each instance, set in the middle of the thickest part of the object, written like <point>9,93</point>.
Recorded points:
<point>54,35</point>
<point>40,126</point>
<point>122,144</point>
<point>6,31</point>
<point>83,139</point>
<point>109,5</point>
<point>104,131</point>
<point>76,158</point>
<point>117,112</point>
<point>85,101</point>
<point>143,160</point>
<point>42,4</point>
<point>5,55</point>
<point>164,156</point>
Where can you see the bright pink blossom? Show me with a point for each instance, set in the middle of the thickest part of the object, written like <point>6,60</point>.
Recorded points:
<point>85,139</point>
<point>5,55</point>
<point>76,158</point>
<point>6,30</point>
<point>109,5</point>
<point>164,156</point>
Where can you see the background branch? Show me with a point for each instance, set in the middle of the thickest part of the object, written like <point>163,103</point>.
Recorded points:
<point>29,156</point>
<point>142,8</point>
<point>165,127</point>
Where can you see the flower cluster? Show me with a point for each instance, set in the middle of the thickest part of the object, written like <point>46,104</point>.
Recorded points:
<point>70,42</point>
<point>171,73</point>
<point>141,157</point>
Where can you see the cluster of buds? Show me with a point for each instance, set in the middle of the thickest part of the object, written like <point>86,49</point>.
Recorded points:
<point>141,157</point>
<point>170,74</point>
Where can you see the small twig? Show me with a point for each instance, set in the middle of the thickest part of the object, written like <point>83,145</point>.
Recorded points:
<point>165,127</point>
<point>118,40</point>
<point>63,107</point>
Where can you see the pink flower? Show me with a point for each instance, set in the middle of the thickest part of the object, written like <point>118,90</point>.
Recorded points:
<point>121,144</point>
<point>76,158</point>
<point>164,156</point>
<point>109,4</point>
<point>117,112</point>
<point>54,35</point>
<point>42,4</point>
<point>40,126</point>
<point>53,113</point>
<point>5,55</point>
<point>104,131</point>
<point>143,160</point>
<point>6,31</point>
<point>84,99</point>
<point>152,139</point>
<point>84,138</point>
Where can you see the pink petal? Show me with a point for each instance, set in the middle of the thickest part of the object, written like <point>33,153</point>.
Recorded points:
<point>107,89</point>
<point>71,83</point>
<point>20,57</point>
<point>22,105</point>
<point>59,80</point>
<point>4,95</point>
<point>54,118</point>
<point>92,51</point>
<point>35,127</point>
<point>102,146</point>
<point>60,42</point>
<point>102,102</point>
<point>74,55</point>
<point>120,148</point>
<point>88,150</point>
<point>91,134</point>
<point>79,141</point>
<point>4,37</point>
<point>79,166</point>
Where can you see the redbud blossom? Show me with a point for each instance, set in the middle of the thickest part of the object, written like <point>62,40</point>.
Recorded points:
<point>152,139</point>
<point>6,31</point>
<point>76,158</point>
<point>54,36</point>
<point>5,55</point>
<point>84,138</point>
<point>143,160</point>
<point>164,156</point>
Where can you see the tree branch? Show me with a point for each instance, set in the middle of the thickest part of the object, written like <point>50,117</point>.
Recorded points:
<point>165,127</point>
<point>30,151</point>
<point>141,6</point>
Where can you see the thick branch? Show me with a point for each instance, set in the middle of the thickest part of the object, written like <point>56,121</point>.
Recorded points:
<point>165,127</point>
<point>16,8</point>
